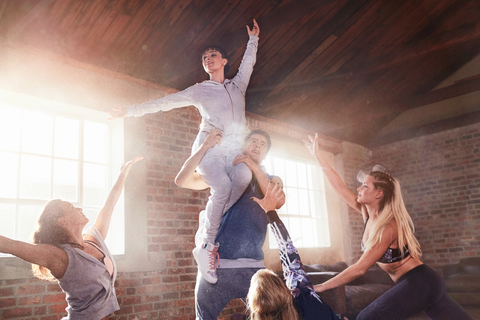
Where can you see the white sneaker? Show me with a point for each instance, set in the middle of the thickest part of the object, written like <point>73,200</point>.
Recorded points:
<point>207,260</point>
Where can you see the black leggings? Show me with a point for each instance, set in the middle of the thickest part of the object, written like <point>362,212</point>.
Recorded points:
<point>420,289</point>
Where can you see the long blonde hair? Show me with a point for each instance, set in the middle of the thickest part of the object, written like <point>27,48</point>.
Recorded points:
<point>391,208</point>
<point>49,231</point>
<point>269,298</point>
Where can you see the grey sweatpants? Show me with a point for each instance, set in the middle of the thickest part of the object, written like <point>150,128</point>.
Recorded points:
<point>211,299</point>
<point>227,182</point>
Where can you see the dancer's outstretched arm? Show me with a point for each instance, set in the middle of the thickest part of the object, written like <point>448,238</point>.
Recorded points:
<point>102,223</point>
<point>187,177</point>
<point>366,261</point>
<point>46,255</point>
<point>334,179</point>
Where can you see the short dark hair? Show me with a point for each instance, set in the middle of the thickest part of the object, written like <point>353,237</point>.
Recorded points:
<point>262,133</point>
<point>222,51</point>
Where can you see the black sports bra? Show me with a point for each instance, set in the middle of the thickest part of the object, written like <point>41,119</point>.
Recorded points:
<point>391,255</point>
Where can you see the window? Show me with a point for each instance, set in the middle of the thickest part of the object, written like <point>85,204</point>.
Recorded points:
<point>305,210</point>
<point>50,150</point>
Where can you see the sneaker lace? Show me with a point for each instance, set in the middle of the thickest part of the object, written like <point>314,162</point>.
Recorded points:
<point>213,260</point>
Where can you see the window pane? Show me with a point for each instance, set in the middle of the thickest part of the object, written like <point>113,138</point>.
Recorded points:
<point>307,234</point>
<point>7,217</point>
<point>10,127</point>
<point>268,165</point>
<point>315,203</point>
<point>291,195</point>
<point>291,173</point>
<point>94,184</point>
<point>65,180</point>
<point>96,142</point>
<point>323,232</point>
<point>296,232</point>
<point>27,221</point>
<point>66,138</point>
<point>37,133</point>
<point>8,172</point>
<point>279,166</point>
<point>35,175</point>
<point>302,174</point>
<point>312,176</point>
<point>303,202</point>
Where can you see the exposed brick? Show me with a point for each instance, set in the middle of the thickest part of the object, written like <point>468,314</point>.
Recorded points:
<point>6,303</point>
<point>6,292</point>
<point>440,174</point>
<point>16,313</point>
<point>33,289</point>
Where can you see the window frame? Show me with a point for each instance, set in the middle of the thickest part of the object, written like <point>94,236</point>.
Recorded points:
<point>315,187</point>
<point>135,256</point>
<point>337,210</point>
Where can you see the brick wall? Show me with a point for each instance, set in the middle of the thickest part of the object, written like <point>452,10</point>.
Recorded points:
<point>172,223</point>
<point>440,174</point>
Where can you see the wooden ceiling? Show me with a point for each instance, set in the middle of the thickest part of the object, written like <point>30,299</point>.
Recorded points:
<point>344,68</point>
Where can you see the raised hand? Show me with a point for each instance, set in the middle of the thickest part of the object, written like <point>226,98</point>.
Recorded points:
<point>255,31</point>
<point>273,195</point>
<point>130,163</point>
<point>117,113</point>
<point>312,145</point>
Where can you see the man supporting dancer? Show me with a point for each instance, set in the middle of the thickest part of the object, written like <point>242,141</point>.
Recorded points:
<point>242,230</point>
<point>221,103</point>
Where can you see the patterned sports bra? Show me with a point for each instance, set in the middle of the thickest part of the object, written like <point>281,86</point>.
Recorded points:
<point>391,255</point>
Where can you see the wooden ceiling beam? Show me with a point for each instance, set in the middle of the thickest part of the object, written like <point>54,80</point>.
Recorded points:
<point>464,33</point>
<point>303,52</point>
<point>305,63</point>
<point>431,128</point>
<point>27,19</point>
<point>461,87</point>
<point>378,120</point>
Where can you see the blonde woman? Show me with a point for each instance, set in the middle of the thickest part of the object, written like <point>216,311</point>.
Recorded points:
<point>78,259</point>
<point>389,241</point>
<point>269,298</point>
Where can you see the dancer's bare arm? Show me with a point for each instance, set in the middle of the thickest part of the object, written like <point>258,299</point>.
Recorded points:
<point>46,255</point>
<point>334,179</point>
<point>366,261</point>
<point>102,223</point>
<point>187,177</point>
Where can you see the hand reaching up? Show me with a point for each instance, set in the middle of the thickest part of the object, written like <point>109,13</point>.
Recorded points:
<point>255,31</point>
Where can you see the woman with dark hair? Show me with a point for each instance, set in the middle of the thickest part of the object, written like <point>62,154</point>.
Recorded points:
<point>389,241</point>
<point>221,103</point>
<point>269,298</point>
<point>78,259</point>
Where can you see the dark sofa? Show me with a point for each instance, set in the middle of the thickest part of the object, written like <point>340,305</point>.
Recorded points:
<point>353,297</point>
<point>463,281</point>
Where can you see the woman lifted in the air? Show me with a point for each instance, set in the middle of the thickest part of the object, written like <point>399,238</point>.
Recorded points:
<point>221,103</point>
